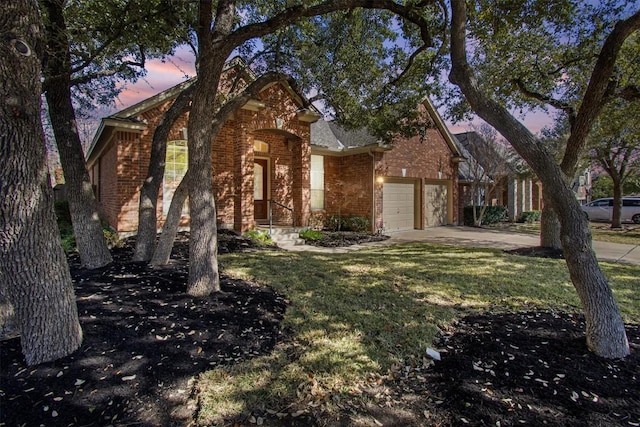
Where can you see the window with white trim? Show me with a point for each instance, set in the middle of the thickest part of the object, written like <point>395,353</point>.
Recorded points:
<point>317,182</point>
<point>176,164</point>
<point>260,146</point>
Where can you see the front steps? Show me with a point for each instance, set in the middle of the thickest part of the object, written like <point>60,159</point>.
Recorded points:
<point>284,236</point>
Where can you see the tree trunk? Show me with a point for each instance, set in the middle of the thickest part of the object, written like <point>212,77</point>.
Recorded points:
<point>170,229</point>
<point>147,218</point>
<point>549,227</point>
<point>83,207</point>
<point>605,333</point>
<point>616,217</point>
<point>34,274</point>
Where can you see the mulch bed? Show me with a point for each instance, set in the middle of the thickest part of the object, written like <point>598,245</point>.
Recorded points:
<point>332,239</point>
<point>146,340</point>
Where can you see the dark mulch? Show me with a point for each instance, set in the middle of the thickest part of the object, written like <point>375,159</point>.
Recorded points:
<point>537,251</point>
<point>332,239</point>
<point>145,340</point>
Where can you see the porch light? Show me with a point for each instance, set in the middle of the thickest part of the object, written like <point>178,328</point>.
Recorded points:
<point>380,179</point>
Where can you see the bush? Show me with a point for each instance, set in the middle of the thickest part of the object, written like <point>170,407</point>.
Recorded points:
<point>311,235</point>
<point>354,223</point>
<point>492,215</point>
<point>111,236</point>
<point>260,237</point>
<point>530,216</point>
<point>65,227</point>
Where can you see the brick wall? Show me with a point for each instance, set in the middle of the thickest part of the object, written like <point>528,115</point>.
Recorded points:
<point>108,185</point>
<point>124,166</point>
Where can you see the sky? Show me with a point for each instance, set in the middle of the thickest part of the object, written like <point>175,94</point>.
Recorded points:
<point>162,75</point>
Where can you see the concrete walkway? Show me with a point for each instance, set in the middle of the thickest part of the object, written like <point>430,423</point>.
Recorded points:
<point>483,238</point>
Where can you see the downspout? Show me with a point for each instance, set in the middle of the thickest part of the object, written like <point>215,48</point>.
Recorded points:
<point>373,190</point>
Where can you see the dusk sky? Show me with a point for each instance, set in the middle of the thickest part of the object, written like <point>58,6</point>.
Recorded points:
<point>162,75</point>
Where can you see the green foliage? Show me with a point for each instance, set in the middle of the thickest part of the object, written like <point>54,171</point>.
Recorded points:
<point>311,235</point>
<point>64,226</point>
<point>260,237</point>
<point>530,216</point>
<point>492,215</point>
<point>602,186</point>
<point>354,223</point>
<point>111,237</point>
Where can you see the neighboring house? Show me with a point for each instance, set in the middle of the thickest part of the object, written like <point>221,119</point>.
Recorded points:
<point>581,186</point>
<point>274,160</point>
<point>513,188</point>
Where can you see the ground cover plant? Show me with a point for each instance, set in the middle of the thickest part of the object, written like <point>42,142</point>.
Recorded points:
<point>350,349</point>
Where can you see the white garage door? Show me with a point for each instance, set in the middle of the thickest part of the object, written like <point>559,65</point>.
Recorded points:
<point>398,206</point>
<point>435,209</point>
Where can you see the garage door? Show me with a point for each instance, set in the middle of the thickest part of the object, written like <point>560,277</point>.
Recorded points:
<point>398,206</point>
<point>435,209</point>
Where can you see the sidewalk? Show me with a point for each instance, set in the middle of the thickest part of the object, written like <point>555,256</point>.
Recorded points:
<point>483,238</point>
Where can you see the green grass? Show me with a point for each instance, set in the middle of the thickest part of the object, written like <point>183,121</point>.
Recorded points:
<point>354,316</point>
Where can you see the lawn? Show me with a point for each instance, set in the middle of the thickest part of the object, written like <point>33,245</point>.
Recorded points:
<point>629,233</point>
<point>302,339</point>
<point>356,317</point>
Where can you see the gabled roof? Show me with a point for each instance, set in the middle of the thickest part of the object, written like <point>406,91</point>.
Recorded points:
<point>126,119</point>
<point>484,152</point>
<point>331,136</point>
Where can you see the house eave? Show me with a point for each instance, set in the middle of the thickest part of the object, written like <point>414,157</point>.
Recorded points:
<point>348,151</point>
<point>106,129</point>
<point>448,136</point>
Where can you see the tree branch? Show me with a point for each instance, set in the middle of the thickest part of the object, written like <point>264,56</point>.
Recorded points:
<point>555,103</point>
<point>597,90</point>
<point>294,13</point>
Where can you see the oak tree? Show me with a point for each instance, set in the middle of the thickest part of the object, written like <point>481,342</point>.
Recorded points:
<point>34,275</point>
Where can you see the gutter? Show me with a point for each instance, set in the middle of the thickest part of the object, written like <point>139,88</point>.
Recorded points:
<point>373,190</point>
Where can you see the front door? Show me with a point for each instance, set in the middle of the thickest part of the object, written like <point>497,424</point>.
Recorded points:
<point>260,187</point>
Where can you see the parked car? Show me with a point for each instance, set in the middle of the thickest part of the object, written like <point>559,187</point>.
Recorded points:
<point>602,209</point>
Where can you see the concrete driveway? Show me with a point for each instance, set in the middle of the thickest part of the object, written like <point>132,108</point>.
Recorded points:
<point>483,238</point>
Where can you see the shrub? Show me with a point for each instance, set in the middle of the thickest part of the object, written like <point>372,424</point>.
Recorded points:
<point>111,236</point>
<point>358,224</point>
<point>311,235</point>
<point>530,216</point>
<point>354,223</point>
<point>260,237</point>
<point>65,227</point>
<point>492,215</point>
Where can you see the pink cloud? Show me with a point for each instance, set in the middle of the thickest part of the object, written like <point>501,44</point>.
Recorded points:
<point>161,75</point>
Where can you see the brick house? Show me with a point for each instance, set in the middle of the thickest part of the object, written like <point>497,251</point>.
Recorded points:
<point>275,158</point>
<point>411,183</point>
<point>514,186</point>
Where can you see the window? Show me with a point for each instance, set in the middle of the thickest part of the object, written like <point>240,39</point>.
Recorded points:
<point>317,182</point>
<point>260,146</point>
<point>630,202</point>
<point>176,164</point>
